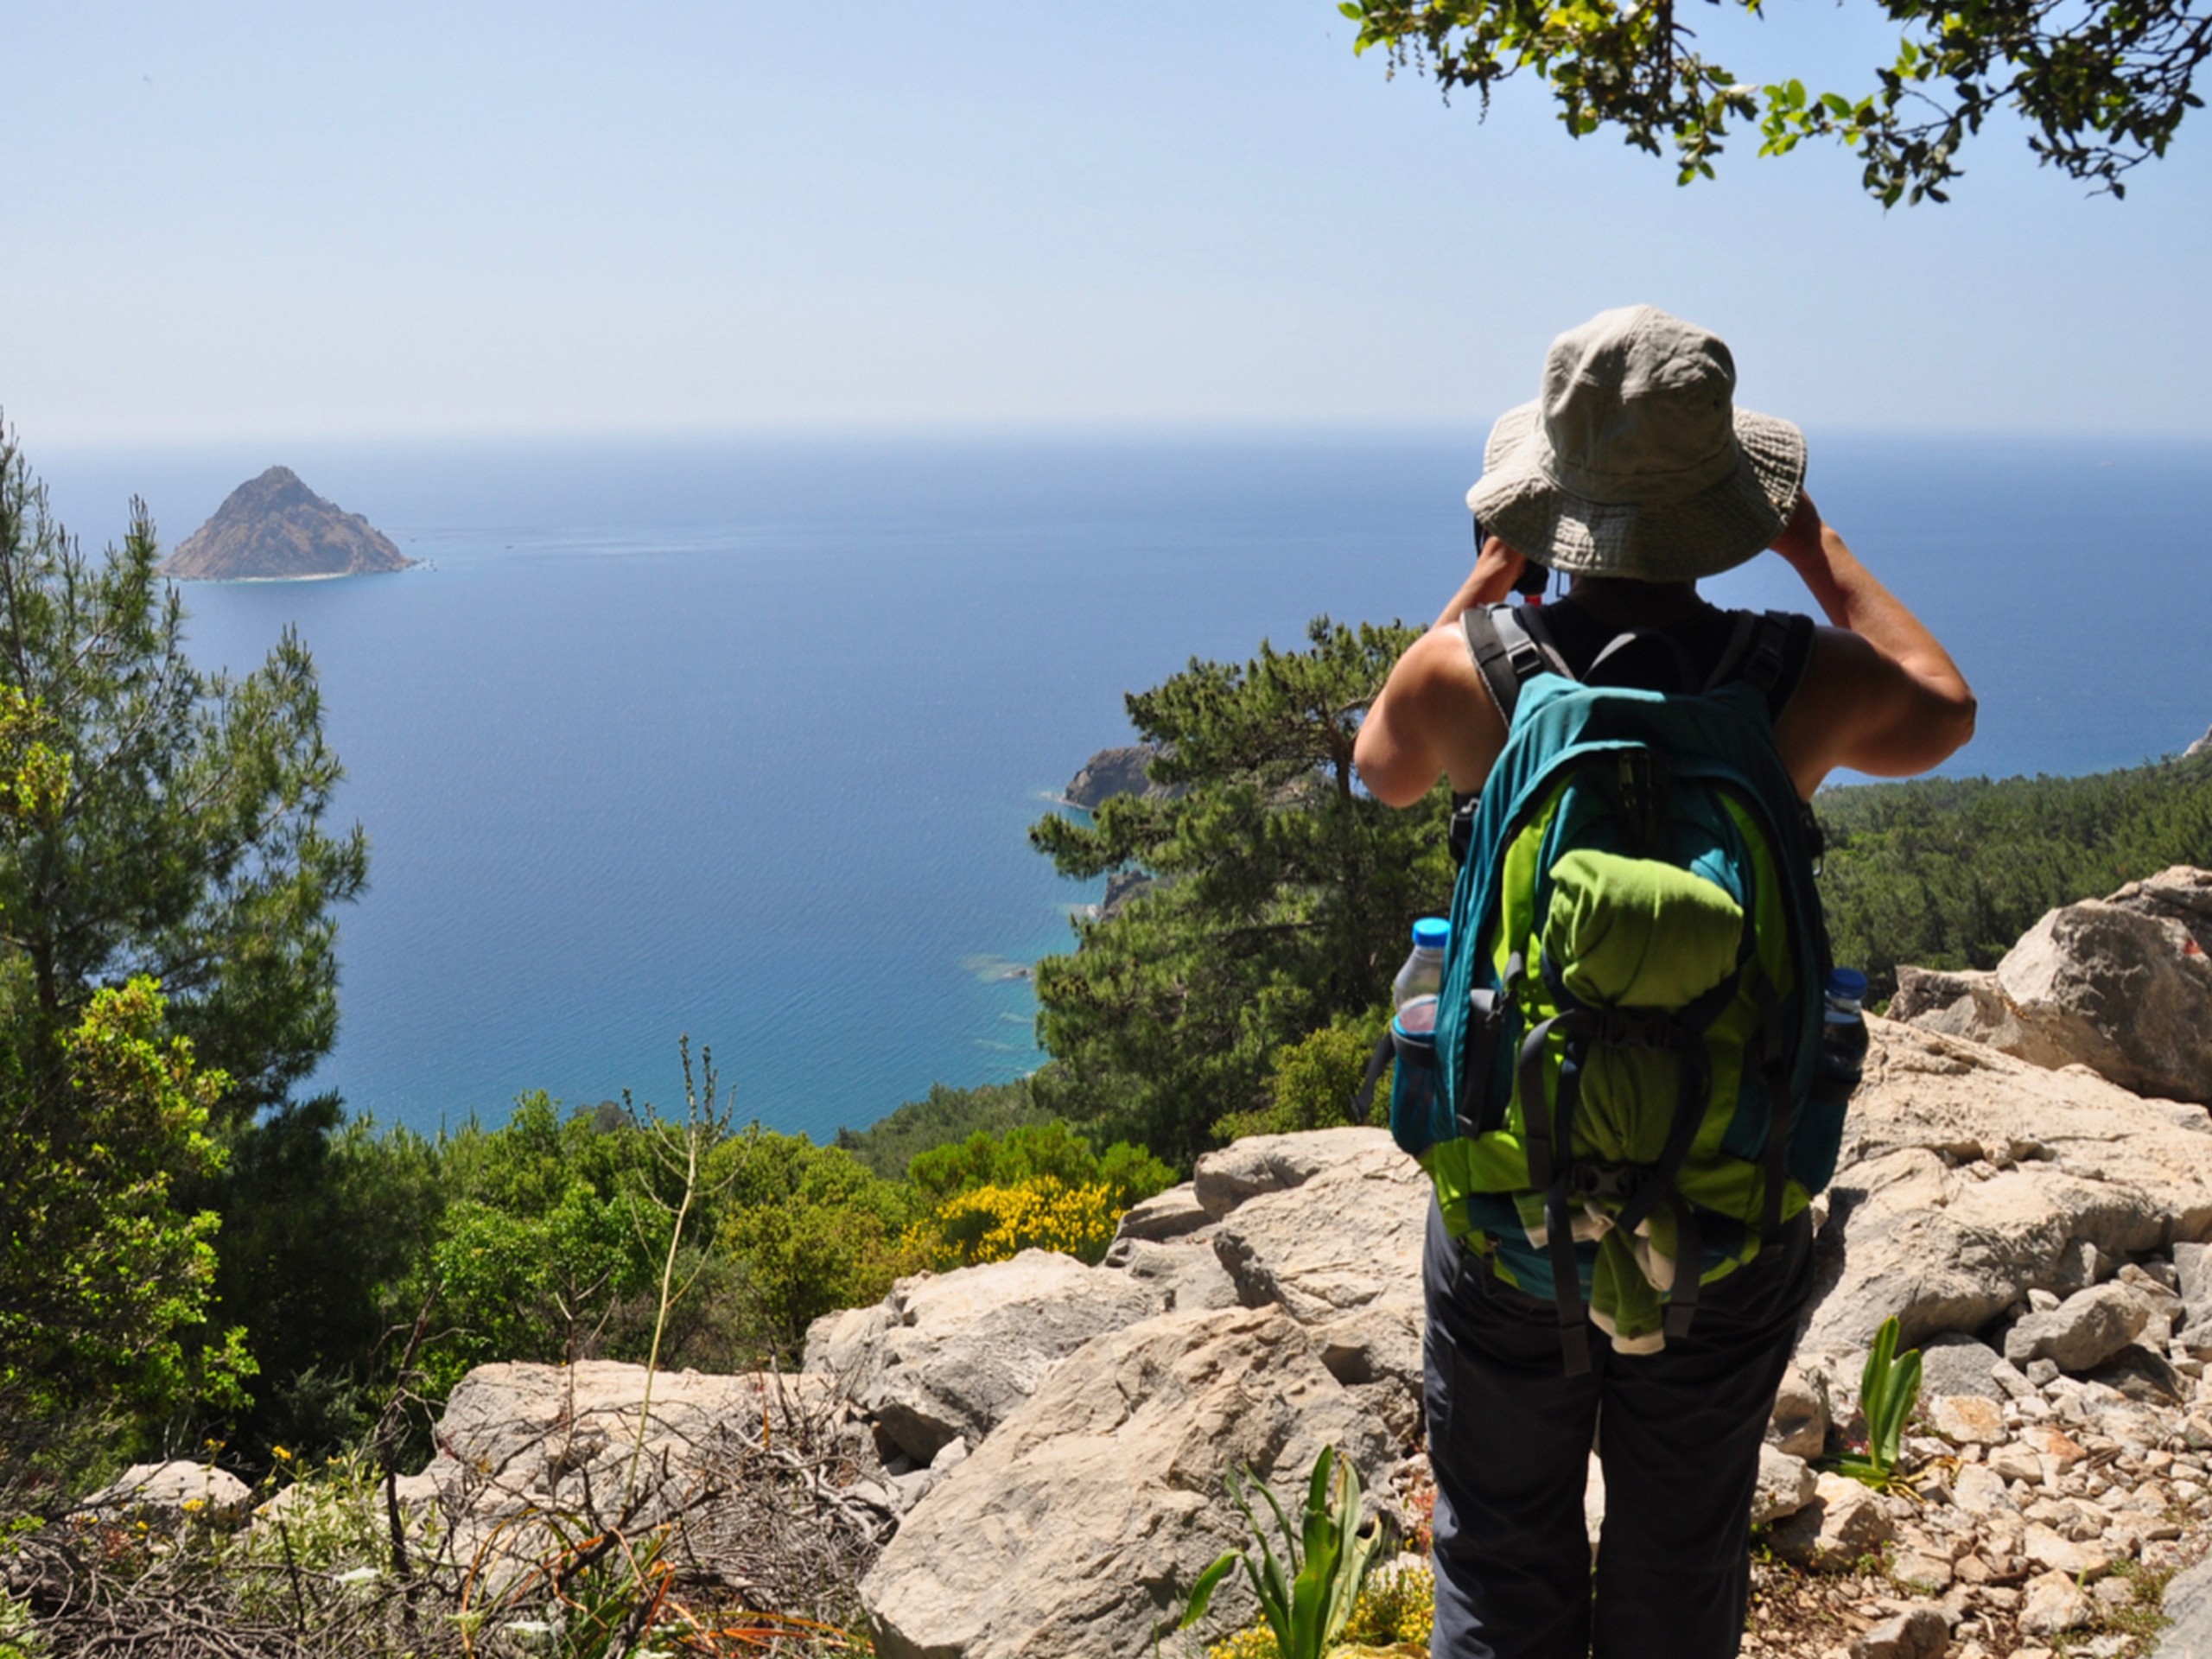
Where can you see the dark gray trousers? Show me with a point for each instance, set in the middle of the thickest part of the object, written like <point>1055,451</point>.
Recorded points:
<point>1510,1436</point>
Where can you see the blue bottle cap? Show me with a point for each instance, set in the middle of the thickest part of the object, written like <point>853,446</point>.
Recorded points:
<point>1432,932</point>
<point>1848,983</point>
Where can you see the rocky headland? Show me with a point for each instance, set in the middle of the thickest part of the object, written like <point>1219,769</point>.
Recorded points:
<point>1027,1459</point>
<point>274,526</point>
<point>1123,770</point>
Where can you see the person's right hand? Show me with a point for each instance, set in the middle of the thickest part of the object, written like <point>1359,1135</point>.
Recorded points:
<point>1497,567</point>
<point>1799,541</point>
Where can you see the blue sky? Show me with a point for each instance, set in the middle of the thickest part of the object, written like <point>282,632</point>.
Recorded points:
<point>258,220</point>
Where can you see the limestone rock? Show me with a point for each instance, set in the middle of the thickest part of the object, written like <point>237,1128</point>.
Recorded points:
<point>2122,985</point>
<point>2085,1330</point>
<point>1181,1275</point>
<point>2053,1605</point>
<point>2193,1268</point>
<point>1928,1575</point>
<point>1172,1214</point>
<point>1785,1485</point>
<point>1070,1531</point>
<point>1969,1177</point>
<point>2188,1606</point>
<point>165,1494</point>
<point>947,1355</point>
<point>1275,1163</point>
<point>1917,1633</point>
<point>1968,1419</point>
<point>274,525</point>
<point>1845,1521</point>
<point>1341,1251</point>
<point>523,1426</point>
<point>2056,1553</point>
<point>1952,1363</point>
<point>1799,1425</point>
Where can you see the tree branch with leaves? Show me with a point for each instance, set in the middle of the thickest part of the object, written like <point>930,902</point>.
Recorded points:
<point>2102,85</point>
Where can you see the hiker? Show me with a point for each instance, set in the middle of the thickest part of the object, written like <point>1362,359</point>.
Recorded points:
<point>1635,475</point>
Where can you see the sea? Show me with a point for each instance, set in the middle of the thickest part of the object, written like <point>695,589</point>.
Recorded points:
<point>738,738</point>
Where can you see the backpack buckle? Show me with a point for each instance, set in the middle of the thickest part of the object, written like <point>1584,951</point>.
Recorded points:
<point>1591,1179</point>
<point>1622,1029</point>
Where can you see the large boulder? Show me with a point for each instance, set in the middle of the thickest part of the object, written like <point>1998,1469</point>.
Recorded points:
<point>2082,1331</point>
<point>1260,1164</point>
<point>1969,1178</point>
<point>1340,1250</point>
<point>2122,985</point>
<point>539,1434</point>
<point>531,1456</point>
<point>946,1357</point>
<point>167,1494</point>
<point>1080,1523</point>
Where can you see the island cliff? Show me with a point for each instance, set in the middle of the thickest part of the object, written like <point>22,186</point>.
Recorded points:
<point>274,526</point>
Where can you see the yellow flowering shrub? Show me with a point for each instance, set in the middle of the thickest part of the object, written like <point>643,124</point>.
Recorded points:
<point>1395,1609</point>
<point>1254,1642</point>
<point>1393,1616</point>
<point>996,1223</point>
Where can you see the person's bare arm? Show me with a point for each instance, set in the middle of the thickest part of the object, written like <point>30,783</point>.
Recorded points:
<point>1433,718</point>
<point>1880,695</point>
<point>1497,567</point>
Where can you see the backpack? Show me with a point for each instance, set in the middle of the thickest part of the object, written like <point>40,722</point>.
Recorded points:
<point>1623,1105</point>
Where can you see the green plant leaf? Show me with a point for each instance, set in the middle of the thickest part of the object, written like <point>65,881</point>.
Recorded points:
<point>1202,1591</point>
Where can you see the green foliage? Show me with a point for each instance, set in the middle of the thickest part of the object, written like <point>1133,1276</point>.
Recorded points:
<point>183,841</point>
<point>1033,1151</point>
<point>1284,897</point>
<point>1949,873</point>
<point>1316,1077</point>
<point>1035,1186</point>
<point>1308,1594</point>
<point>323,1221</point>
<point>1888,1389</point>
<point>941,1117</point>
<point>2102,87</point>
<point>805,1229</point>
<point>104,1275</point>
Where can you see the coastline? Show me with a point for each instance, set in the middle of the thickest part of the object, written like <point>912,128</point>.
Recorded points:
<point>314,576</point>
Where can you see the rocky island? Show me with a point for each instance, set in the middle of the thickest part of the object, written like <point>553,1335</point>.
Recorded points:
<point>274,526</point>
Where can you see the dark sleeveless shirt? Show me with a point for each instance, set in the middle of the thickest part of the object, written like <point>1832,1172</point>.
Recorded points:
<point>1704,633</point>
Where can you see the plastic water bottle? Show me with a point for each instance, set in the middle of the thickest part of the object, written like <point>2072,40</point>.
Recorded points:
<point>1422,974</point>
<point>1843,1032</point>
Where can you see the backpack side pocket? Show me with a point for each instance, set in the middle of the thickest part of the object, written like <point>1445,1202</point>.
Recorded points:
<point>1420,1116</point>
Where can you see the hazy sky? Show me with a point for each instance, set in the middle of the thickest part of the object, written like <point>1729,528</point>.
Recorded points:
<point>263,221</point>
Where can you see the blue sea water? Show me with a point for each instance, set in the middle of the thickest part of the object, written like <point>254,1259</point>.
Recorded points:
<point>740,737</point>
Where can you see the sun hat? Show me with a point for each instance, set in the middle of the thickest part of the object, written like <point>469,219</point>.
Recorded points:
<point>1635,461</point>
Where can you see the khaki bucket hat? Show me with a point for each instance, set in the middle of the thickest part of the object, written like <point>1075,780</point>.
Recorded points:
<point>1635,461</point>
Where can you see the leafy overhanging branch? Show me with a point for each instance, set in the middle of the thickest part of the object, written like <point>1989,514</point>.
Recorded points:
<point>2103,85</point>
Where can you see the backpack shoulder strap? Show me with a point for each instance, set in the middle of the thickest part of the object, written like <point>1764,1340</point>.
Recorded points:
<point>1758,652</point>
<point>1508,646</point>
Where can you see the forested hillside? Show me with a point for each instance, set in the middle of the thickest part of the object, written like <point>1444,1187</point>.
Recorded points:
<point>1947,873</point>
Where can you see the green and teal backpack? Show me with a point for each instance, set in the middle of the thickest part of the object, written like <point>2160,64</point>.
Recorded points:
<point>1625,1104</point>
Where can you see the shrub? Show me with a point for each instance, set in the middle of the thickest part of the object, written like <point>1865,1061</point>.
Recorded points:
<point>996,1223</point>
